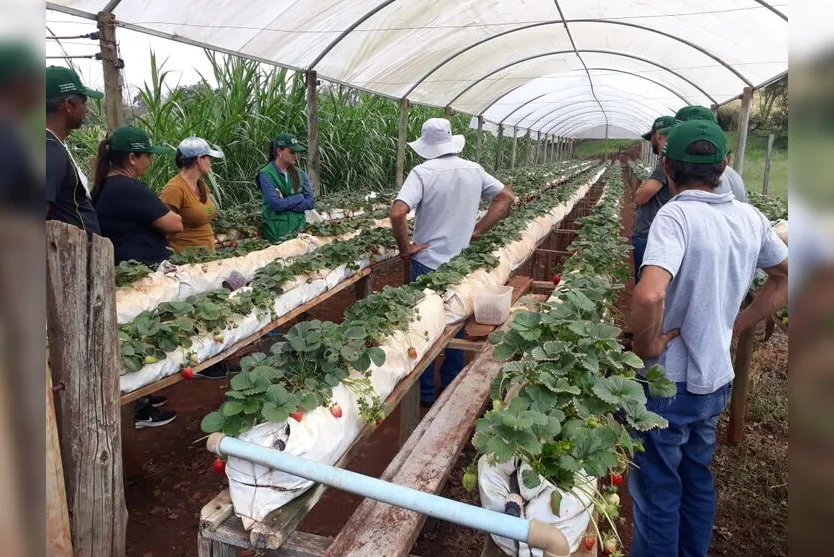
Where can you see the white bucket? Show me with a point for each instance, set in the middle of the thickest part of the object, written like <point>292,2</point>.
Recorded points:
<point>492,304</point>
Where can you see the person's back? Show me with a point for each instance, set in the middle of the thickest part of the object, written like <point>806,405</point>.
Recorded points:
<point>712,245</point>
<point>732,182</point>
<point>451,190</point>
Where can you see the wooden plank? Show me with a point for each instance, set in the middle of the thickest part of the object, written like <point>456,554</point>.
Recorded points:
<point>468,345</point>
<point>216,511</point>
<point>409,412</point>
<point>543,285</point>
<point>58,535</point>
<point>521,286</point>
<point>364,287</point>
<point>274,530</point>
<point>84,356</point>
<point>558,252</point>
<point>392,531</point>
<point>176,378</point>
<point>741,386</point>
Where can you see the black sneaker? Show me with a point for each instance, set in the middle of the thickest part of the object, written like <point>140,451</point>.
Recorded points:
<point>217,371</point>
<point>154,418</point>
<point>157,401</point>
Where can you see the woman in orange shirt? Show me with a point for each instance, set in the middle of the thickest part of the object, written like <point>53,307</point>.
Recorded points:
<point>188,195</point>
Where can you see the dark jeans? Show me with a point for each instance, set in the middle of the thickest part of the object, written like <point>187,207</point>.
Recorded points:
<point>639,243</point>
<point>671,483</point>
<point>452,362</point>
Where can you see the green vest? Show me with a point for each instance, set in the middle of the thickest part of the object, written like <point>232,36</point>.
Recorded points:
<point>280,226</point>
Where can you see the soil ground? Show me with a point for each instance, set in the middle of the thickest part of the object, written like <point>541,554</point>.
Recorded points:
<point>164,504</point>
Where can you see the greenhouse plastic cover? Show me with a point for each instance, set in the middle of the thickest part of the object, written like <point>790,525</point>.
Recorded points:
<point>556,67</point>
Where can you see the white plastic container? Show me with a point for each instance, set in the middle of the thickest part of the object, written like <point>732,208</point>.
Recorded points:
<point>492,304</point>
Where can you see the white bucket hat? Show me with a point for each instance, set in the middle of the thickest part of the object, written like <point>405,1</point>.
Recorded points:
<point>436,139</point>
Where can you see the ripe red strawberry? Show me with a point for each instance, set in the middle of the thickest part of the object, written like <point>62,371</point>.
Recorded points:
<point>188,372</point>
<point>557,278</point>
<point>589,542</point>
<point>296,415</point>
<point>412,352</point>
<point>336,410</point>
<point>617,479</point>
<point>218,466</point>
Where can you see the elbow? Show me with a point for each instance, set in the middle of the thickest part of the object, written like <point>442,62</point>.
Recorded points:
<point>398,214</point>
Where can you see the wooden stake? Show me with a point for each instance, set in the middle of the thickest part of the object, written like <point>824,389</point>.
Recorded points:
<point>498,151</point>
<point>527,148</point>
<point>515,147</point>
<point>313,155</point>
<point>84,355</point>
<point>447,112</point>
<point>110,64</point>
<point>402,139</point>
<point>479,139</point>
<point>58,536</point>
<point>741,387</point>
<point>743,122</point>
<point>768,155</point>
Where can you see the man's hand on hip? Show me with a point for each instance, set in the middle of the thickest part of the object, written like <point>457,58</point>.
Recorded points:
<point>413,249</point>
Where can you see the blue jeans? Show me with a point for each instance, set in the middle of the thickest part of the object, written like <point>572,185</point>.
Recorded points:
<point>671,485</point>
<point>639,243</point>
<point>452,362</point>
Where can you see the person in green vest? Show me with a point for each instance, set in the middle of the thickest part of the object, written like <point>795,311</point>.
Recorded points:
<point>286,190</point>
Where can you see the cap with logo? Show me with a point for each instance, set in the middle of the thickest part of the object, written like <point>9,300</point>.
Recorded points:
<point>684,134</point>
<point>128,139</point>
<point>198,147</point>
<point>63,82</point>
<point>661,123</point>
<point>289,141</point>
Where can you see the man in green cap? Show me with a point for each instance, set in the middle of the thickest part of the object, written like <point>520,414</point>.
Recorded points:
<point>67,190</point>
<point>702,252</point>
<point>651,195</point>
<point>286,190</point>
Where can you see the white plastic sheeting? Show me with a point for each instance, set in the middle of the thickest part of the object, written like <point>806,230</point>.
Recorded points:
<point>559,67</point>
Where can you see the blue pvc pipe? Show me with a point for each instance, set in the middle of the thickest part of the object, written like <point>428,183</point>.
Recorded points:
<point>492,522</point>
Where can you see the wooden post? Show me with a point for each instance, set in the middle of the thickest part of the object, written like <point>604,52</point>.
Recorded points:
<point>402,138</point>
<point>447,112</point>
<point>743,122</point>
<point>538,148</point>
<point>479,139</point>
<point>714,108</point>
<point>527,148</point>
<point>84,356</point>
<point>768,155</point>
<point>409,412</point>
<point>558,149</point>
<point>58,534</point>
<point>515,147</point>
<point>498,151</point>
<point>313,155</point>
<point>741,386</point>
<point>110,64</point>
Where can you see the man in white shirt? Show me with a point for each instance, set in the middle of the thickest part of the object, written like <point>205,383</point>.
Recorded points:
<point>445,191</point>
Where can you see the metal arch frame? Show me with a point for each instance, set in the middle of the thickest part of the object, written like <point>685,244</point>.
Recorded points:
<point>596,51</point>
<point>516,109</point>
<point>680,96</point>
<point>555,121</point>
<point>580,20</point>
<point>365,17</point>
<point>569,126</point>
<point>560,119</point>
<point>591,123</point>
<point>772,9</point>
<point>555,110</point>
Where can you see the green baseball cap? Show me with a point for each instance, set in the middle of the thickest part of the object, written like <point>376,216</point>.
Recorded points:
<point>659,123</point>
<point>684,134</point>
<point>692,112</point>
<point>18,61</point>
<point>128,139</point>
<point>288,140</point>
<point>63,82</point>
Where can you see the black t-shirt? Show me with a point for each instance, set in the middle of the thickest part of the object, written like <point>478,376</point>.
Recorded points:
<point>645,213</point>
<point>64,189</point>
<point>20,188</point>
<point>126,209</point>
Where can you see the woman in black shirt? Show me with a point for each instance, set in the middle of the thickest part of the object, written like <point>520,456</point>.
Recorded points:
<point>135,220</point>
<point>129,213</point>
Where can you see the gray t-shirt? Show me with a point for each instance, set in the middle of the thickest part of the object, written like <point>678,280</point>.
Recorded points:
<point>644,215</point>
<point>732,182</point>
<point>445,193</point>
<point>712,246</point>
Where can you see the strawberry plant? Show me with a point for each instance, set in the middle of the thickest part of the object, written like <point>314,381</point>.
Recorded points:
<point>128,272</point>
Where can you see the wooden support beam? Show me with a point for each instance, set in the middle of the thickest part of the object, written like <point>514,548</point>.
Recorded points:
<point>741,386</point>
<point>527,148</point>
<point>313,155</point>
<point>515,147</point>
<point>768,157</point>
<point>467,345</point>
<point>558,252</point>
<point>402,139</point>
<point>84,357</point>
<point>498,151</point>
<point>447,112</point>
<point>743,123</point>
<point>58,534</point>
<point>409,412</point>
<point>110,65</point>
<point>543,285</point>
<point>479,139</point>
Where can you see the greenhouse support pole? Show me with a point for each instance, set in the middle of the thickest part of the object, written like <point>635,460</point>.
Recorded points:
<point>714,108</point>
<point>527,148</point>
<point>515,147</point>
<point>743,122</point>
<point>110,64</point>
<point>402,138</point>
<point>768,155</point>
<point>538,148</point>
<point>498,151</point>
<point>313,155</point>
<point>479,139</point>
<point>559,149</point>
<point>447,112</point>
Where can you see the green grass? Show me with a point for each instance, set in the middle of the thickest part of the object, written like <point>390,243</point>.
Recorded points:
<point>754,163</point>
<point>602,146</point>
